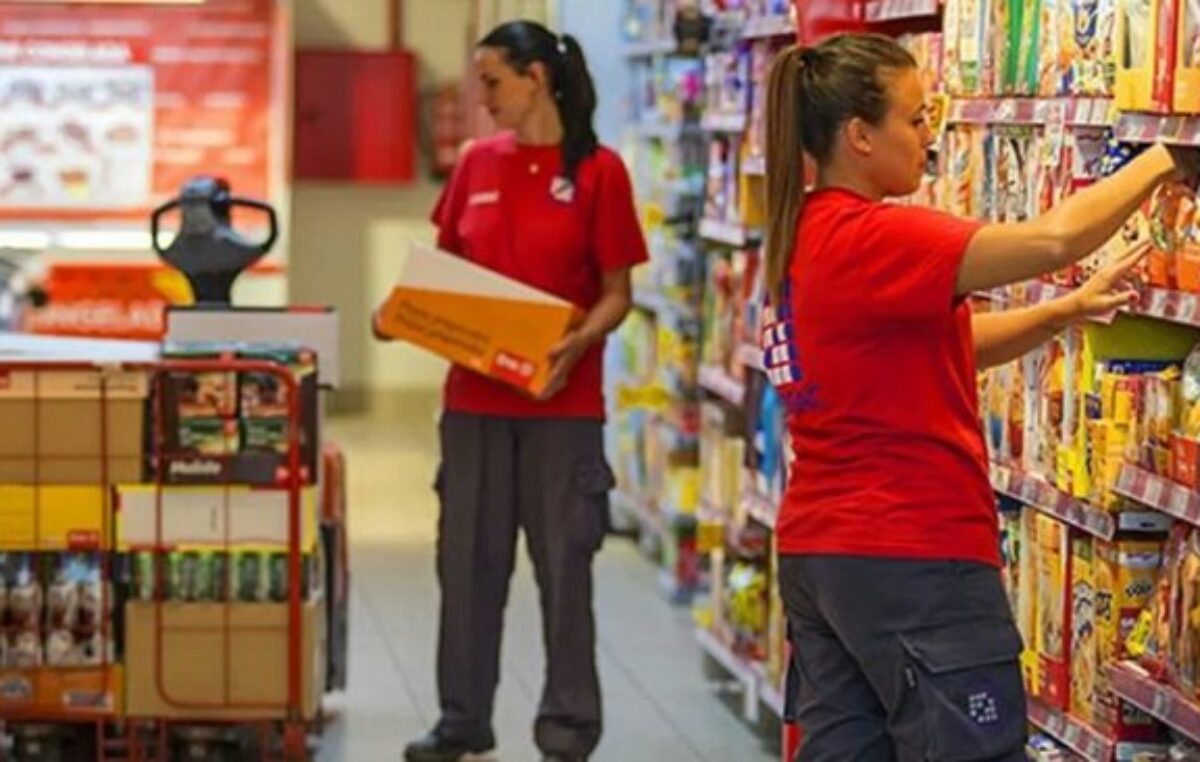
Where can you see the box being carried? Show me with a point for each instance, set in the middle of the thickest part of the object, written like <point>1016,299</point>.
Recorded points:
<point>477,318</point>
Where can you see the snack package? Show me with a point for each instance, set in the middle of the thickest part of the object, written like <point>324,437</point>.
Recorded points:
<point>1185,440</point>
<point>1083,629</point>
<point>60,649</point>
<point>1187,628</point>
<point>250,583</point>
<point>264,395</point>
<point>1146,55</point>
<point>24,594</point>
<point>1187,253</point>
<point>1187,68</point>
<point>1052,641</point>
<point>1126,573</point>
<point>1088,58</point>
<point>209,436</point>
<point>144,570</point>
<point>25,649</point>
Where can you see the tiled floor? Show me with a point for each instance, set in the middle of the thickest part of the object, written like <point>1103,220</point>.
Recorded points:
<point>658,705</point>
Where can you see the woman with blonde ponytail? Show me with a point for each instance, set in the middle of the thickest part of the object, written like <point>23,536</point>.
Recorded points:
<point>904,643</point>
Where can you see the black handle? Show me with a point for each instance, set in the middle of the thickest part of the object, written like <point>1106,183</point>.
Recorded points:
<point>274,220</point>
<point>154,223</point>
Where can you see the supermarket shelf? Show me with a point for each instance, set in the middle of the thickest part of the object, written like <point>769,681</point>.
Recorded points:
<point>731,123</point>
<point>1076,112</point>
<point>649,48</point>
<point>762,27</point>
<point>676,592</point>
<point>1172,306</point>
<point>1077,736</point>
<point>755,166</point>
<point>760,508</point>
<point>720,383</point>
<point>1159,493</point>
<point>1047,499</point>
<point>1168,705</point>
<point>1158,303</point>
<point>730,233</point>
<point>1150,128</point>
<point>660,130</point>
<point>770,694</point>
<point>741,670</point>
<point>898,10</point>
<point>651,301</point>
<point>649,519</point>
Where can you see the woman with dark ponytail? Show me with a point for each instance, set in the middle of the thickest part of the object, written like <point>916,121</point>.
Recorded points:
<point>545,203</point>
<point>889,568</point>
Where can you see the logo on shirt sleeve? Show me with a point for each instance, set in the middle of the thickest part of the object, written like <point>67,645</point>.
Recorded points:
<point>483,197</point>
<point>781,358</point>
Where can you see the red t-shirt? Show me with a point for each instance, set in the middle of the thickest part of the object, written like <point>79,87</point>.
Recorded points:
<point>876,364</point>
<point>507,208</point>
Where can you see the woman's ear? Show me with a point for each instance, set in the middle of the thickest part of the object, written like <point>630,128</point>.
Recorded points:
<point>540,75</point>
<point>858,136</point>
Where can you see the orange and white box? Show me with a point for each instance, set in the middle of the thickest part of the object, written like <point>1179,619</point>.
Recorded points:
<point>477,318</point>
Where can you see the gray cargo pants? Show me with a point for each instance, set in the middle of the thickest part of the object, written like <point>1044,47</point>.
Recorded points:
<point>915,661</point>
<point>550,478</point>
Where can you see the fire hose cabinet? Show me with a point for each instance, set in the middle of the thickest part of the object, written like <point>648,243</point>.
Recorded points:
<point>356,116</point>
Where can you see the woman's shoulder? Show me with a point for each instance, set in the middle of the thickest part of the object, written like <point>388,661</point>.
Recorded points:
<point>607,158</point>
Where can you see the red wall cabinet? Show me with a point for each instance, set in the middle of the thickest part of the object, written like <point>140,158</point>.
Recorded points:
<point>356,116</point>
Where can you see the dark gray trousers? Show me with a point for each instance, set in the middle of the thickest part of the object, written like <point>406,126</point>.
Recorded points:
<point>548,477</point>
<point>915,661</point>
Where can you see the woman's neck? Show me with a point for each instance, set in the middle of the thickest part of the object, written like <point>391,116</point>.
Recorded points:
<point>833,176</point>
<point>543,126</point>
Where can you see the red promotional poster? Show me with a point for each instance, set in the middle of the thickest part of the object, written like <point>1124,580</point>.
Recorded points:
<point>105,110</point>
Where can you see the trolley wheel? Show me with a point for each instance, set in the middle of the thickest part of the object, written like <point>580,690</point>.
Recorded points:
<point>50,743</point>
<point>295,742</point>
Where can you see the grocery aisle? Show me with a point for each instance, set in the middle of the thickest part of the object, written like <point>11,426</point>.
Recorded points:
<point>658,705</point>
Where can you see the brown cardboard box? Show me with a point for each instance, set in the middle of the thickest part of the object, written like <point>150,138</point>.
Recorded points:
<point>203,680</point>
<point>59,428</point>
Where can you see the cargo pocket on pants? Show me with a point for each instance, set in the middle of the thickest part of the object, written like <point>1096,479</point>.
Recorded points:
<point>969,688</point>
<point>589,511</point>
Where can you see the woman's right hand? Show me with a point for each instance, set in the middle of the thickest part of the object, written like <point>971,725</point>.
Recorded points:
<point>377,326</point>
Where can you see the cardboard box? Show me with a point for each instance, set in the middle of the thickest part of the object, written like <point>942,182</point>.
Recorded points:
<point>95,691</point>
<point>62,426</point>
<point>210,517</point>
<point>54,518</point>
<point>477,318</point>
<point>204,671</point>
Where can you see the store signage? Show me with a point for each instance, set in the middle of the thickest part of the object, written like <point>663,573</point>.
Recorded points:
<point>106,109</point>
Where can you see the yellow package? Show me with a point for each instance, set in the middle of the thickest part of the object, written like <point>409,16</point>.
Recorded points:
<point>1053,599</point>
<point>1083,629</point>
<point>1125,576</point>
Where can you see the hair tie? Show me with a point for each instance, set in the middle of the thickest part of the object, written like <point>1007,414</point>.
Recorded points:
<point>562,46</point>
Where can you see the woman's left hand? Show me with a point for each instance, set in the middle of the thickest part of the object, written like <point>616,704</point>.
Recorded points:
<point>1113,287</point>
<point>563,359</point>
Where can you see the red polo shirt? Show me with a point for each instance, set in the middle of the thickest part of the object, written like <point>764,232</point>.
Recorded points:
<point>878,371</point>
<point>507,208</point>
